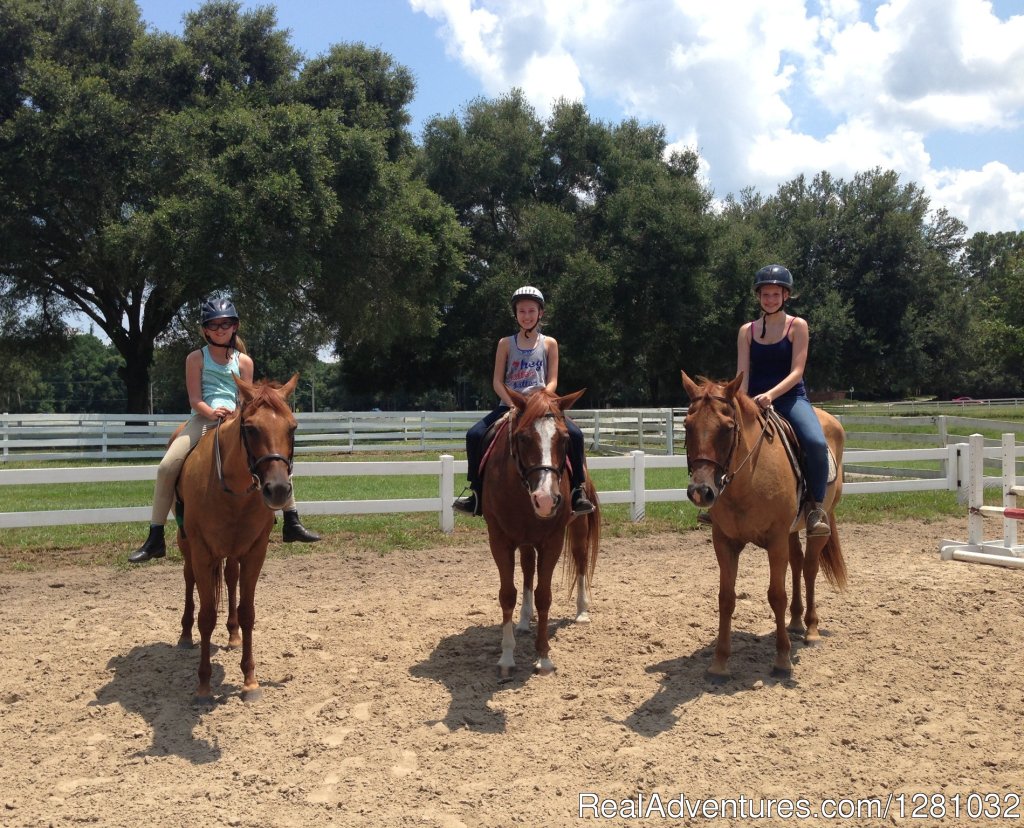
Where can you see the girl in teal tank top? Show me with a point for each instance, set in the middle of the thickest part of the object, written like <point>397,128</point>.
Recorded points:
<point>212,393</point>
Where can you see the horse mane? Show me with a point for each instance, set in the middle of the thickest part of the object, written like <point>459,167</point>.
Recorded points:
<point>743,401</point>
<point>263,394</point>
<point>538,405</point>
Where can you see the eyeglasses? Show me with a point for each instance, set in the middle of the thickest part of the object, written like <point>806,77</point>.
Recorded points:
<point>221,326</point>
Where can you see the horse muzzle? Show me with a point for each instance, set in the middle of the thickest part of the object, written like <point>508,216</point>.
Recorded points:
<point>276,493</point>
<point>701,495</point>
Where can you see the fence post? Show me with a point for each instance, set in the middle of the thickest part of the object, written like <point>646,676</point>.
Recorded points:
<point>638,486</point>
<point>1009,481</point>
<point>447,493</point>
<point>640,428</point>
<point>976,489</point>
<point>943,427</point>
<point>103,439</point>
<point>595,440</point>
<point>351,434</point>
<point>423,430</point>
<point>669,436</point>
<point>7,434</point>
<point>954,477</point>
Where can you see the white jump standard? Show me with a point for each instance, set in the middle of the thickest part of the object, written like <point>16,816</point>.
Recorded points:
<point>1004,551</point>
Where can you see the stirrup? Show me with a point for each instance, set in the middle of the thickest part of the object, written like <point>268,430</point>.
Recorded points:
<point>467,504</point>
<point>817,523</point>
<point>581,504</point>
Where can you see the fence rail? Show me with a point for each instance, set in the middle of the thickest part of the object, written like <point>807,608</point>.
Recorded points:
<point>35,438</point>
<point>446,467</point>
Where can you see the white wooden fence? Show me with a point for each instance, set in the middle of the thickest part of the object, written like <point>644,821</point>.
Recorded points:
<point>445,468</point>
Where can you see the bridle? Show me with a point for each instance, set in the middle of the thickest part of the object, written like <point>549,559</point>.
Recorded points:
<point>254,463</point>
<point>525,473</point>
<point>723,475</point>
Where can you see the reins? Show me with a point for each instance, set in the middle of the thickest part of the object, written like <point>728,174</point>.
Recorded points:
<point>257,482</point>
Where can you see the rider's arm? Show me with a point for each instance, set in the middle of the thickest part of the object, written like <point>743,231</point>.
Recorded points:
<point>246,367</point>
<point>498,378</point>
<point>194,385</point>
<point>551,349</point>
<point>743,357</point>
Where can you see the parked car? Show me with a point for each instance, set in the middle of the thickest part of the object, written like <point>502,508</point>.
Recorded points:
<point>966,400</point>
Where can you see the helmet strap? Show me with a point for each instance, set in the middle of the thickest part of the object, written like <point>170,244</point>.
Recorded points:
<point>764,320</point>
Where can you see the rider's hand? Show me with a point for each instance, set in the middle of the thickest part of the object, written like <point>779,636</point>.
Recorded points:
<point>763,400</point>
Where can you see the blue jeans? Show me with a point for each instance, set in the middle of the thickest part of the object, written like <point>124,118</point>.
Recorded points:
<point>800,414</point>
<point>475,448</point>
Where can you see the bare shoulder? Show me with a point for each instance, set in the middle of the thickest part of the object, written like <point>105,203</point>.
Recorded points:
<point>246,360</point>
<point>800,324</point>
<point>550,342</point>
<point>195,356</point>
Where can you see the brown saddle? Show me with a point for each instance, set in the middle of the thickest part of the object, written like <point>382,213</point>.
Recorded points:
<point>787,436</point>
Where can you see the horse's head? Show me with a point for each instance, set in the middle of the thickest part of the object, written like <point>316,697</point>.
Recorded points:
<point>712,427</point>
<point>539,441</point>
<point>268,433</point>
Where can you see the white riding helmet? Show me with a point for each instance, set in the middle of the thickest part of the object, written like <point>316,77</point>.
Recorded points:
<point>527,292</point>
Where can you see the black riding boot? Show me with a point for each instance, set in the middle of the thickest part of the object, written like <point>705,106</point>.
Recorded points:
<point>581,504</point>
<point>471,504</point>
<point>154,546</point>
<point>294,530</point>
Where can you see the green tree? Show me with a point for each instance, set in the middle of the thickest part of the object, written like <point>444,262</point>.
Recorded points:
<point>143,171</point>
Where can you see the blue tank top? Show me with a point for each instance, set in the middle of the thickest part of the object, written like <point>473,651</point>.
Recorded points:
<point>526,369</point>
<point>219,389</point>
<point>769,365</point>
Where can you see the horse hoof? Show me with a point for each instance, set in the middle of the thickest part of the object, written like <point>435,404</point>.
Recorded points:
<point>521,629</point>
<point>206,702</point>
<point>718,678</point>
<point>253,695</point>
<point>812,641</point>
<point>782,672</point>
<point>185,644</point>
<point>506,674</point>
<point>583,618</point>
<point>538,670</point>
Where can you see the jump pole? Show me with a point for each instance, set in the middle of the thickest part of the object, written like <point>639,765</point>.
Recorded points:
<point>1004,551</point>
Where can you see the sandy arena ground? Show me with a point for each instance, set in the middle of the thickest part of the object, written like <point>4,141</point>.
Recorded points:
<point>381,705</point>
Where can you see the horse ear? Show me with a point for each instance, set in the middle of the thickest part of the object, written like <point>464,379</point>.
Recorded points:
<point>517,398</point>
<point>246,389</point>
<point>289,387</point>
<point>733,388</point>
<point>567,402</point>
<point>690,387</point>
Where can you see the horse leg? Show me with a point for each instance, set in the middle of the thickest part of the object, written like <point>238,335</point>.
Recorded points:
<point>811,564</point>
<point>504,554</point>
<point>778,562</point>
<point>188,614</point>
<point>231,579</point>
<point>796,566</point>
<point>528,556</point>
<point>578,541</point>
<point>206,585</point>
<point>728,555</point>
<point>250,574</point>
<point>548,559</point>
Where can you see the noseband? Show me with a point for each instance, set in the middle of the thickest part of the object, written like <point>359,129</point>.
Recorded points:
<point>254,463</point>
<point>525,473</point>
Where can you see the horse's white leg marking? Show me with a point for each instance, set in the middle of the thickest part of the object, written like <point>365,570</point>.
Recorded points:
<point>545,666</point>
<point>582,600</point>
<point>508,646</point>
<point>526,612</point>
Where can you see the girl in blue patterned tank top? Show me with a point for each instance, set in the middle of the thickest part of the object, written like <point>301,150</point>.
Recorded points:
<point>212,393</point>
<point>771,353</point>
<point>526,360</point>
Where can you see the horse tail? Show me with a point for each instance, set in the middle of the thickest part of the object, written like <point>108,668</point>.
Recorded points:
<point>832,562</point>
<point>582,543</point>
<point>218,580</point>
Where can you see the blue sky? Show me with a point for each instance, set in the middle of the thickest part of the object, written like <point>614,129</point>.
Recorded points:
<point>764,89</point>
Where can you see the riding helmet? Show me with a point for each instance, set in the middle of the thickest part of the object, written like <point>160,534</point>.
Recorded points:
<point>773,275</point>
<point>218,308</point>
<point>527,292</point>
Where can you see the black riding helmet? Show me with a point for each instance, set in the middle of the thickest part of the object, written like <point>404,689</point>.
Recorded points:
<point>218,308</point>
<point>774,274</point>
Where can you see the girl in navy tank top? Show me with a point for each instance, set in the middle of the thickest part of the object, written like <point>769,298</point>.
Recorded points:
<point>771,353</point>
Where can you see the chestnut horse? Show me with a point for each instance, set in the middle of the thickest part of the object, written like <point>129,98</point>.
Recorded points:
<point>229,488</point>
<point>526,503</point>
<point>740,469</point>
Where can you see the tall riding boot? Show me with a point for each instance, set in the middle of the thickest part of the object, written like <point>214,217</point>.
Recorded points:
<point>581,504</point>
<point>154,547</point>
<point>294,530</point>
<point>471,504</point>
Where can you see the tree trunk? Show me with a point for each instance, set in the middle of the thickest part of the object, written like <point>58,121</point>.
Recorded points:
<point>135,374</point>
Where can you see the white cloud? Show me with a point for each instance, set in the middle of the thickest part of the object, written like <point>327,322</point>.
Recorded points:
<point>768,89</point>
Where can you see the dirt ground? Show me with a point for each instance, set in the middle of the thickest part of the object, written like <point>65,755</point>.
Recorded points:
<point>381,704</point>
